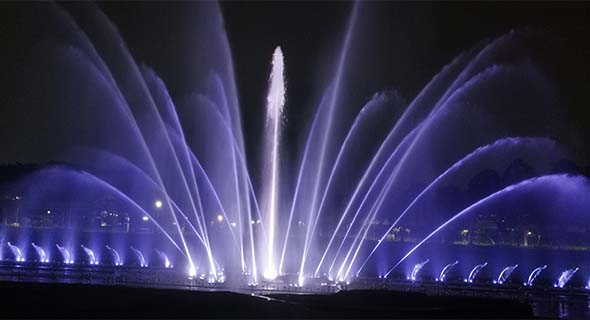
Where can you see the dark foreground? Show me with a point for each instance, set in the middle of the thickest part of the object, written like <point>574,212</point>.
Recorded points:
<point>30,300</point>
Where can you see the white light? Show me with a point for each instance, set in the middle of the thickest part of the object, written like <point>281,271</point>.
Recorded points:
<point>233,224</point>
<point>219,218</point>
<point>192,271</point>
<point>269,274</point>
<point>48,211</point>
<point>145,218</point>
<point>158,204</point>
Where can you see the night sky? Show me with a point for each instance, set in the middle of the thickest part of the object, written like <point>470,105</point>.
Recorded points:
<point>403,46</point>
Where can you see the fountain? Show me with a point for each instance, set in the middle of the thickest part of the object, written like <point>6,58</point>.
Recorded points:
<point>475,271</point>
<point>274,113</point>
<point>565,277</point>
<point>503,276</point>
<point>534,274</point>
<point>40,253</point>
<point>116,257</point>
<point>90,254</point>
<point>445,270</point>
<point>141,259</point>
<point>164,258</point>
<point>175,169</point>
<point>417,269</point>
<point>67,257</point>
<point>18,256</point>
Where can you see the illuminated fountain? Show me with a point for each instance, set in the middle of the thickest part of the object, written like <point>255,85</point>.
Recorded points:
<point>164,257</point>
<point>417,269</point>
<point>445,271</point>
<point>90,254</point>
<point>503,276</point>
<point>40,253</point>
<point>475,271</point>
<point>274,113</point>
<point>65,253</point>
<point>116,257</point>
<point>565,277</point>
<point>534,274</point>
<point>16,252</point>
<point>141,258</point>
<point>179,165</point>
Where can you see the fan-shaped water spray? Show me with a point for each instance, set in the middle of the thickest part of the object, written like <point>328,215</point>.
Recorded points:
<point>174,168</point>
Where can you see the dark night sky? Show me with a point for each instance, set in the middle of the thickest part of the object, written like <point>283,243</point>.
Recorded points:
<point>407,44</point>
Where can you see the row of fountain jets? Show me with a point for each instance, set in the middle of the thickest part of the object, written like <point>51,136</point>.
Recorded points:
<point>563,279</point>
<point>92,259</point>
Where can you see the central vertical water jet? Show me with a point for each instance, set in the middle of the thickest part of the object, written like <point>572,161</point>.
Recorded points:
<point>275,102</point>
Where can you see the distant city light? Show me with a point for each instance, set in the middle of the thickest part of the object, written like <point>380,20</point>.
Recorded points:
<point>48,211</point>
<point>145,218</point>
<point>158,204</point>
<point>233,224</point>
<point>219,218</point>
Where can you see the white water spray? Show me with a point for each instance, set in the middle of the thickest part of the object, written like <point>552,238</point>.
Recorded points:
<point>65,254</point>
<point>18,255</point>
<point>164,258</point>
<point>565,277</point>
<point>445,271</point>
<point>475,271</point>
<point>417,269</point>
<point>275,103</point>
<point>140,257</point>
<point>534,275</point>
<point>90,254</point>
<point>505,274</point>
<point>40,253</point>
<point>116,256</point>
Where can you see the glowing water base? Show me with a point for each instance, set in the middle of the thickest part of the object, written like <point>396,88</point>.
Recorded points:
<point>359,185</point>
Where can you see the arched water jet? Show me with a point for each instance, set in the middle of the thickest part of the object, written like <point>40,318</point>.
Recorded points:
<point>427,96</point>
<point>90,254</point>
<point>40,253</point>
<point>565,277</point>
<point>555,183</point>
<point>370,109</point>
<point>164,258</point>
<point>393,157</point>
<point>16,252</point>
<point>116,257</point>
<point>503,276</point>
<point>438,115</point>
<point>504,144</point>
<point>534,275</point>
<point>417,269</point>
<point>443,274</point>
<point>65,253</point>
<point>139,256</point>
<point>324,139</point>
<point>475,271</point>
